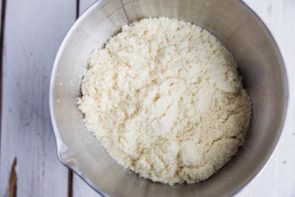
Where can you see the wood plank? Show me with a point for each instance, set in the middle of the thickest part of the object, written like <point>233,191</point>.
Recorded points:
<point>34,30</point>
<point>2,18</point>
<point>80,188</point>
<point>2,14</point>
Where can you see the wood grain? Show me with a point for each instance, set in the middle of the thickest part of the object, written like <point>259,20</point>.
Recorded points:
<point>12,188</point>
<point>34,30</point>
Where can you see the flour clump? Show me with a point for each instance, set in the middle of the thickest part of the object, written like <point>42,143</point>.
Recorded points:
<point>165,100</point>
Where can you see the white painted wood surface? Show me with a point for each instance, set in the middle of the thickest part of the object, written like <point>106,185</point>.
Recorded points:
<point>33,31</point>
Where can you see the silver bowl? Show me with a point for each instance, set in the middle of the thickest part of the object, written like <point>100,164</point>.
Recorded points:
<point>239,29</point>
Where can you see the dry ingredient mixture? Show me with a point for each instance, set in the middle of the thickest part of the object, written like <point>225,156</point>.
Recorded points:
<point>165,100</point>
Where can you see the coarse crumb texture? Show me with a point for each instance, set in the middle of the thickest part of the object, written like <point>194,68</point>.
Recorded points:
<point>165,100</point>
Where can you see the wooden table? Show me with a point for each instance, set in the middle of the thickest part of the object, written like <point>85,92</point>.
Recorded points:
<point>32,31</point>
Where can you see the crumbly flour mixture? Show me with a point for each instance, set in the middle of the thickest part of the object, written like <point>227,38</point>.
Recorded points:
<point>165,100</point>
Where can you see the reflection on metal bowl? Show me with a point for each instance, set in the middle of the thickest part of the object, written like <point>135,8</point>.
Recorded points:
<point>236,26</point>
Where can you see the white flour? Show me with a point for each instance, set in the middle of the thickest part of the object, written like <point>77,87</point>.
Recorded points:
<point>165,100</point>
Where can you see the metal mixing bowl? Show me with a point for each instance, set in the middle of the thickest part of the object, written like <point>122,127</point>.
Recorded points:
<point>237,27</point>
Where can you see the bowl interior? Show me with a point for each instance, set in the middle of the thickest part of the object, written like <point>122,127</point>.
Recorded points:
<point>260,65</point>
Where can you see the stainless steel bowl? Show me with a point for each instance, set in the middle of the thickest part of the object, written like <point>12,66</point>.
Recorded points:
<point>238,28</point>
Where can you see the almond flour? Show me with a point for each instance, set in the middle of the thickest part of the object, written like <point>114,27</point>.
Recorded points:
<point>165,100</point>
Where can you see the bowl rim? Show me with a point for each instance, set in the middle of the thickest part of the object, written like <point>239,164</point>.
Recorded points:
<point>62,147</point>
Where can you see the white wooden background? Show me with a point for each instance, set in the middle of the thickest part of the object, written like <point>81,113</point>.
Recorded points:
<point>32,31</point>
